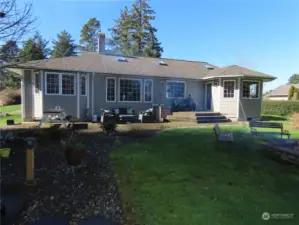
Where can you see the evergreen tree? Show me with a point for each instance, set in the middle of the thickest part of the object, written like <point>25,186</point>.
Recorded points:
<point>64,45</point>
<point>89,35</point>
<point>121,33</point>
<point>34,48</point>
<point>292,91</point>
<point>134,33</point>
<point>8,53</point>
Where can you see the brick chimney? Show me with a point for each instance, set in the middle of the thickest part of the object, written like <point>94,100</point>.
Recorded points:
<point>101,42</point>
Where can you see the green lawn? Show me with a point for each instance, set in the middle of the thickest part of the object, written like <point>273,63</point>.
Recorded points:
<point>10,108</point>
<point>15,116</point>
<point>180,177</point>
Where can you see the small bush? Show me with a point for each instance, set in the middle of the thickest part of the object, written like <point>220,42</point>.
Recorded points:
<point>295,120</point>
<point>10,97</point>
<point>280,108</point>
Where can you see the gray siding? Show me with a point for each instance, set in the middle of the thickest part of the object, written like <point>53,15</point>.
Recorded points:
<point>193,87</point>
<point>28,106</point>
<point>250,107</point>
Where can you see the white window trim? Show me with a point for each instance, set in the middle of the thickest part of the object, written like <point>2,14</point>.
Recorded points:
<point>119,98</point>
<point>85,85</point>
<point>152,90</point>
<point>234,89</point>
<point>60,83</point>
<point>112,78</point>
<point>259,89</point>
<point>178,81</point>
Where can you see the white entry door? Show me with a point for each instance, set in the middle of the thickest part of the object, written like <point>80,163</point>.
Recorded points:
<point>37,95</point>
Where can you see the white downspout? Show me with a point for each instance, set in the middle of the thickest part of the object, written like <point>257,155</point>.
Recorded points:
<point>92,94</point>
<point>23,96</point>
<point>238,98</point>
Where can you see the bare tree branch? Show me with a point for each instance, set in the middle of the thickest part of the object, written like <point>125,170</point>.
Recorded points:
<point>14,21</point>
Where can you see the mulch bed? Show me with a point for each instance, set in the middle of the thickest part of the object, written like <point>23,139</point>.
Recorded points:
<point>87,190</point>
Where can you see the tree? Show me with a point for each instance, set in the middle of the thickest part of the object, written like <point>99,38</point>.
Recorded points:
<point>144,34</point>
<point>294,79</point>
<point>121,33</point>
<point>296,94</point>
<point>8,53</point>
<point>291,92</point>
<point>89,35</point>
<point>15,21</point>
<point>133,32</point>
<point>34,48</point>
<point>64,45</point>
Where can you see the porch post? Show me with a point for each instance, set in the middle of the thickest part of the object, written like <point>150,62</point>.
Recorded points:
<point>219,93</point>
<point>92,94</point>
<point>78,95</point>
<point>238,97</point>
<point>23,96</point>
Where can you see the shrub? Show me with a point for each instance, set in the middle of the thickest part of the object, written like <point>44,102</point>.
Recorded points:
<point>295,120</point>
<point>292,91</point>
<point>280,108</point>
<point>10,97</point>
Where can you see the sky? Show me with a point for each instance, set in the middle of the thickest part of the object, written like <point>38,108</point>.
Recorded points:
<point>261,35</point>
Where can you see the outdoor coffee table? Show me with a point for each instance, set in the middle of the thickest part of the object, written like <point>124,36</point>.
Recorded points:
<point>54,116</point>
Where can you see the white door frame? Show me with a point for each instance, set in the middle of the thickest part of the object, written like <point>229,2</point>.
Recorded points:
<point>39,95</point>
<point>206,94</point>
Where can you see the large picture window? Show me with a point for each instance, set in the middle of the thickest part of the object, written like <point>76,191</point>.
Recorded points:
<point>129,90</point>
<point>148,90</point>
<point>83,85</point>
<point>175,89</point>
<point>52,83</point>
<point>229,89</point>
<point>68,84</point>
<point>110,89</point>
<point>250,89</point>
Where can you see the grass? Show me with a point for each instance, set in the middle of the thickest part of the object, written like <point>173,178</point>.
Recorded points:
<point>15,116</point>
<point>10,108</point>
<point>180,177</point>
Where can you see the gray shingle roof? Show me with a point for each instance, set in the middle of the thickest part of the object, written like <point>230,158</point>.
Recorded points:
<point>144,66</point>
<point>282,90</point>
<point>237,70</point>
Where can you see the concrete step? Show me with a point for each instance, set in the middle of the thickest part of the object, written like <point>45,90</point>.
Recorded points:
<point>209,120</point>
<point>207,114</point>
<point>212,117</point>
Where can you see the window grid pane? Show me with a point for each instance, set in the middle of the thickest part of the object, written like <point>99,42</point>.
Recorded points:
<point>83,85</point>
<point>229,89</point>
<point>52,84</point>
<point>68,84</point>
<point>130,90</point>
<point>250,89</point>
<point>37,83</point>
<point>110,89</point>
<point>175,89</point>
<point>148,84</point>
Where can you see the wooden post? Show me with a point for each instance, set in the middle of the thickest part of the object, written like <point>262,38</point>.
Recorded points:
<point>30,179</point>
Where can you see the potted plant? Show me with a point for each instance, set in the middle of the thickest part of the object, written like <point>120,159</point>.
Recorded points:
<point>74,152</point>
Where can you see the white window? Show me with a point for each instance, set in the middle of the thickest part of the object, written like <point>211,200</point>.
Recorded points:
<point>37,82</point>
<point>52,86</point>
<point>110,89</point>
<point>228,89</point>
<point>148,90</point>
<point>83,83</point>
<point>68,84</point>
<point>250,89</point>
<point>175,89</point>
<point>129,90</point>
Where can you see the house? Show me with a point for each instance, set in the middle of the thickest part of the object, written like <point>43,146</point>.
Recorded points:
<point>280,93</point>
<point>95,81</point>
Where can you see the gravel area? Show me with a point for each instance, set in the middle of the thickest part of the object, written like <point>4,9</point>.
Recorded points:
<point>87,190</point>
